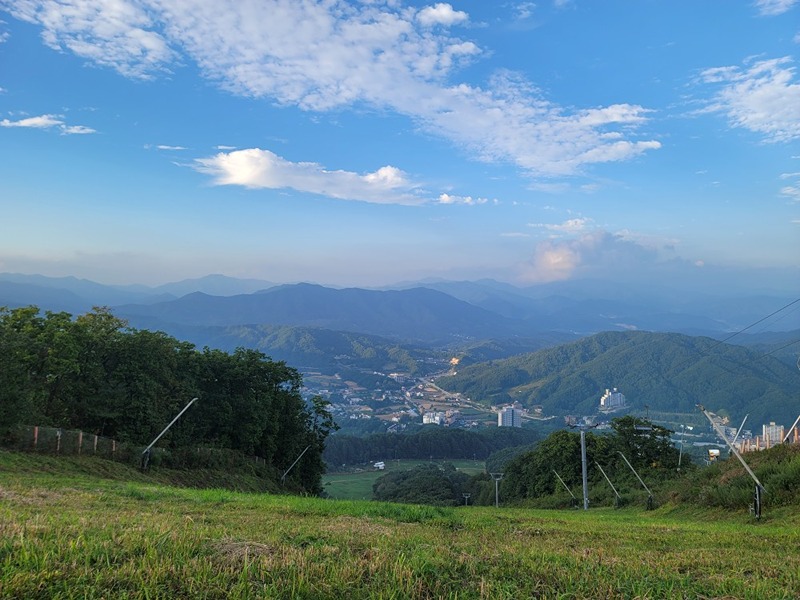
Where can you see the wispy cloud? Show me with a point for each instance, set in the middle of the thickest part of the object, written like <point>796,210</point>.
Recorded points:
<point>166,147</point>
<point>321,56</point>
<point>48,122</point>
<point>468,200</point>
<point>792,190</point>
<point>570,226</point>
<point>774,7</point>
<point>261,169</point>
<point>762,97</point>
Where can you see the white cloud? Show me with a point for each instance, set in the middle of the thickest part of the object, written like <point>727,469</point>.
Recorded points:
<point>468,200</point>
<point>568,226</point>
<point>261,169</point>
<point>114,33</point>
<point>762,97</point>
<point>166,147</point>
<point>791,191</point>
<point>523,10</point>
<point>441,14</point>
<point>557,260</point>
<point>774,7</point>
<point>48,122</point>
<point>328,55</point>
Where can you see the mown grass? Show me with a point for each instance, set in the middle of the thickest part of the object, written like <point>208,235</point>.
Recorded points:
<point>74,535</point>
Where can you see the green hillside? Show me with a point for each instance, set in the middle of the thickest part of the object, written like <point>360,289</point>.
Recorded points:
<point>667,372</point>
<point>74,534</point>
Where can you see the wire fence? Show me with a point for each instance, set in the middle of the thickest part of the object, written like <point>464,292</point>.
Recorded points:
<point>72,442</point>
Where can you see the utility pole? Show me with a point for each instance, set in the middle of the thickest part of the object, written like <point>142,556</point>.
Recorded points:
<point>583,428</point>
<point>497,477</point>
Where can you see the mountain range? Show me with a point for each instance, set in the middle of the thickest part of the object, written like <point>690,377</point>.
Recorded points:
<point>556,345</point>
<point>667,372</point>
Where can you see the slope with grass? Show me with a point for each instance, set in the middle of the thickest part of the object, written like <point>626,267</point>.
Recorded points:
<point>65,533</point>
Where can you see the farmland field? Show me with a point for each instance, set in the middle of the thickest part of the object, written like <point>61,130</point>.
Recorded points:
<point>67,533</point>
<point>357,484</point>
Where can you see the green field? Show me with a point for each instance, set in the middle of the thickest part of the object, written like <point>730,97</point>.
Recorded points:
<point>357,485</point>
<point>67,533</point>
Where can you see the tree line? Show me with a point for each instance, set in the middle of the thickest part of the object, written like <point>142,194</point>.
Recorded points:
<point>431,441</point>
<point>529,476</point>
<point>96,374</point>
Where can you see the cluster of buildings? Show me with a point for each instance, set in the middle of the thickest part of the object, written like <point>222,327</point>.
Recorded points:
<point>771,435</point>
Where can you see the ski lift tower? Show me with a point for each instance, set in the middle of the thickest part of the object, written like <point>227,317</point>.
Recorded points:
<point>497,477</point>
<point>583,428</point>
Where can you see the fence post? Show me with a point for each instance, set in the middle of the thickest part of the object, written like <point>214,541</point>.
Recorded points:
<point>35,436</point>
<point>58,441</point>
<point>80,441</point>
<point>95,443</point>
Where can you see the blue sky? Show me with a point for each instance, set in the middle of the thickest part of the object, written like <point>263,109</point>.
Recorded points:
<point>377,141</point>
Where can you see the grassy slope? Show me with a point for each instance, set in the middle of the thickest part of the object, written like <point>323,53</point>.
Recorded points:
<point>69,534</point>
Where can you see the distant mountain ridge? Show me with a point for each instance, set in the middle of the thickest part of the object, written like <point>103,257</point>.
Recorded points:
<point>665,371</point>
<point>417,314</point>
<point>431,312</point>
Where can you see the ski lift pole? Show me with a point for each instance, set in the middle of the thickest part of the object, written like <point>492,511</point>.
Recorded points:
<point>569,491</point>
<point>731,446</point>
<point>146,451</point>
<point>760,489</point>
<point>609,483</point>
<point>644,485</point>
<point>297,460</point>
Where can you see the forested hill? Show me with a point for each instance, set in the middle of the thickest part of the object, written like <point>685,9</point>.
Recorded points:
<point>667,372</point>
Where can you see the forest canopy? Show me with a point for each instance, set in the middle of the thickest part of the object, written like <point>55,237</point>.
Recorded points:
<point>96,374</point>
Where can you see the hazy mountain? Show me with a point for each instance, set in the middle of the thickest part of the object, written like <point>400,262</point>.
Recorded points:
<point>214,285</point>
<point>667,372</point>
<point>48,290</point>
<point>590,306</point>
<point>15,295</point>
<point>417,314</point>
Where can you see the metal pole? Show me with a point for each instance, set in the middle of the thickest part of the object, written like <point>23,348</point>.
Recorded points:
<point>497,477</point>
<point>736,437</point>
<point>171,423</point>
<point>731,446</point>
<point>565,485</point>
<point>635,473</point>
<point>680,453</point>
<point>283,477</point>
<point>608,480</point>
<point>788,433</point>
<point>584,470</point>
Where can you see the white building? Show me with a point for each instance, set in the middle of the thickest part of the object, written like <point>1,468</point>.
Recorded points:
<point>772,434</point>
<point>433,418</point>
<point>509,417</point>
<point>612,400</point>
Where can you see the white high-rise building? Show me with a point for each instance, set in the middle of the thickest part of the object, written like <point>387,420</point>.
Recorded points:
<point>772,434</point>
<point>509,417</point>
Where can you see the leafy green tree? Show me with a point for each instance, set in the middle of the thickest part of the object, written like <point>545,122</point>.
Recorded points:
<point>425,484</point>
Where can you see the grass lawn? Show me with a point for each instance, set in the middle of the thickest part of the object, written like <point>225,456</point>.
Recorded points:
<point>358,485</point>
<point>71,534</point>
